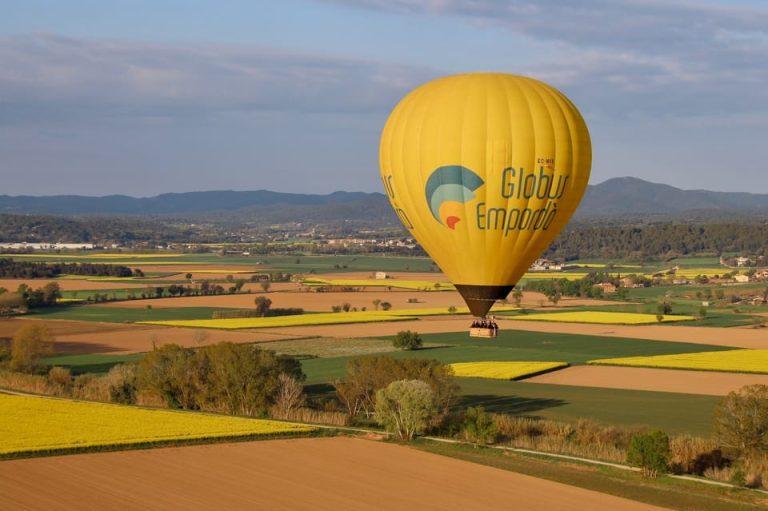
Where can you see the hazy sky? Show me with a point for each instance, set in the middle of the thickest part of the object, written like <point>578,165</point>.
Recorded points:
<point>147,96</point>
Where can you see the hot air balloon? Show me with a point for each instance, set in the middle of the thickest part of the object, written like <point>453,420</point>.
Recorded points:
<point>484,170</point>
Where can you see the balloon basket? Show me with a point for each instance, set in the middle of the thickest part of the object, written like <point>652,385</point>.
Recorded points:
<point>486,333</point>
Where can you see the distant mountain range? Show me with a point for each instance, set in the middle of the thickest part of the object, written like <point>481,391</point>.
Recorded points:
<point>614,197</point>
<point>633,196</point>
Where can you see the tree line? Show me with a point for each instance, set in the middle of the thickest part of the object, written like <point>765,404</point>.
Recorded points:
<point>10,269</point>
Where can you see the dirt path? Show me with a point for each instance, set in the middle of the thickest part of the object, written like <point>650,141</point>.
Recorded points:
<point>312,474</point>
<point>659,380</point>
<point>738,338</point>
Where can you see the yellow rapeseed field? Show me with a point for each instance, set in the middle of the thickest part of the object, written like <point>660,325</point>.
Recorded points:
<point>690,273</point>
<point>33,424</point>
<point>504,370</point>
<point>324,318</point>
<point>618,318</point>
<point>547,275</point>
<point>735,361</point>
<point>415,285</point>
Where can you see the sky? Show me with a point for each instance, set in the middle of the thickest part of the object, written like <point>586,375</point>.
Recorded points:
<point>141,97</point>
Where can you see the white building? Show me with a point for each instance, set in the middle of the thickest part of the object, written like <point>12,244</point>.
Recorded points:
<point>47,246</point>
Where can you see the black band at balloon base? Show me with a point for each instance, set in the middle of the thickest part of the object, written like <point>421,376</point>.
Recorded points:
<point>480,299</point>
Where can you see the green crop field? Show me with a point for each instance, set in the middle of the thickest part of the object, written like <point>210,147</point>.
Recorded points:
<point>123,314</point>
<point>673,412</point>
<point>516,345</point>
<point>293,263</point>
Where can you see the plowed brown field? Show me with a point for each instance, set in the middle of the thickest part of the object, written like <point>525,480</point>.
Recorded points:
<point>312,474</point>
<point>8,326</point>
<point>659,380</point>
<point>136,339</point>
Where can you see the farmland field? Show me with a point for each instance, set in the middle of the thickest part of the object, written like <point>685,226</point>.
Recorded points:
<point>328,318</point>
<point>319,474</point>
<point>124,314</point>
<point>739,361</point>
<point>37,424</point>
<point>416,285</point>
<point>602,317</point>
<point>656,380</point>
<point>515,345</point>
<point>504,370</point>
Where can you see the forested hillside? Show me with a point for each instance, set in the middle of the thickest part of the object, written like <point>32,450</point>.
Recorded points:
<point>659,240</point>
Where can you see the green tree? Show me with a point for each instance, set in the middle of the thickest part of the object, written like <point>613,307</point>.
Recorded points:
<point>242,379</point>
<point>517,297</point>
<point>262,305</point>
<point>376,303</point>
<point>405,407</point>
<point>366,375</point>
<point>385,306</point>
<point>741,419</point>
<point>478,426</point>
<point>265,285</point>
<point>51,293</point>
<point>650,452</point>
<point>407,340</point>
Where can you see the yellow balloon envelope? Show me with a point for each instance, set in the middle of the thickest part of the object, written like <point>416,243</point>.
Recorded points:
<point>485,169</point>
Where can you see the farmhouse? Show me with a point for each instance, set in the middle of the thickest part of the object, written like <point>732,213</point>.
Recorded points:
<point>741,278</point>
<point>629,283</point>
<point>545,265</point>
<point>607,287</point>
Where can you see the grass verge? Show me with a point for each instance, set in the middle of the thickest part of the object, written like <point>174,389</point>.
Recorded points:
<point>664,491</point>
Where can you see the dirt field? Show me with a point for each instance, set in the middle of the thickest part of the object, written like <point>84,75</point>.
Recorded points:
<point>135,339</point>
<point>69,285</point>
<point>311,474</point>
<point>659,380</point>
<point>738,338</point>
<point>9,326</point>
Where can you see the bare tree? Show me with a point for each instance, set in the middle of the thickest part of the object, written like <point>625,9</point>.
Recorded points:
<point>289,396</point>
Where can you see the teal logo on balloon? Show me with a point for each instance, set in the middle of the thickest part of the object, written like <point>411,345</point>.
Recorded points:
<point>448,188</point>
